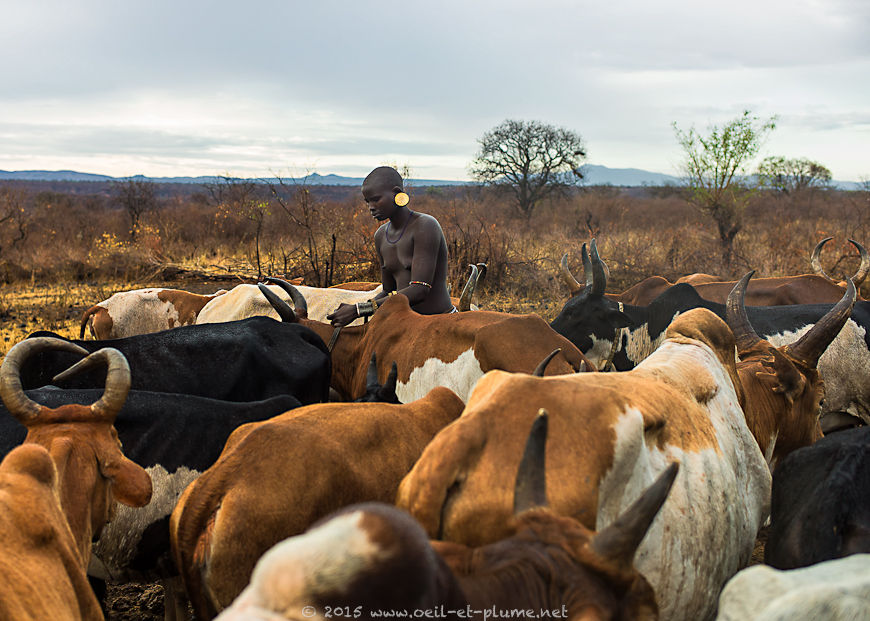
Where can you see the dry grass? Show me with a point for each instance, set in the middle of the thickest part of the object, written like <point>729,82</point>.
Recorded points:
<point>73,250</point>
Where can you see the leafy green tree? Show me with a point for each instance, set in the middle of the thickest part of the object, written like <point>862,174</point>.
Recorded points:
<point>794,175</point>
<point>532,160</point>
<point>715,168</point>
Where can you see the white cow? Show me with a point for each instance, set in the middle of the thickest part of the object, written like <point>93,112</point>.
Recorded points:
<point>244,301</point>
<point>837,590</point>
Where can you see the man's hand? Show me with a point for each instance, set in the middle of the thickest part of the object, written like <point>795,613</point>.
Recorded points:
<point>343,315</point>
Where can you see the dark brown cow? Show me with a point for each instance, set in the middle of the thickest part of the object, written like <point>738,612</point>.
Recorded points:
<point>816,288</point>
<point>433,350</point>
<point>57,491</point>
<point>373,560</point>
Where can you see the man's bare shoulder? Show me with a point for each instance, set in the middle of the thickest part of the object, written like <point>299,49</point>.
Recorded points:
<point>427,223</point>
<point>379,233</point>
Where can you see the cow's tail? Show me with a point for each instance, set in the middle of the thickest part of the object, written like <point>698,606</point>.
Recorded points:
<point>191,527</point>
<point>93,310</point>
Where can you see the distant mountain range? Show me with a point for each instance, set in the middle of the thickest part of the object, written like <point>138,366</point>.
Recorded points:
<point>594,175</point>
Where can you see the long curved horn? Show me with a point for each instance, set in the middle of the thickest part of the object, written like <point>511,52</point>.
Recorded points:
<point>816,262</point>
<point>372,373</point>
<point>11,392</point>
<point>300,305</point>
<point>468,290</point>
<point>620,540</point>
<point>281,307</point>
<point>117,383</point>
<point>573,286</point>
<point>481,269</point>
<point>389,386</point>
<point>864,268</point>
<point>587,265</point>
<point>530,490</point>
<point>542,365</point>
<point>735,315</point>
<point>599,277</point>
<point>810,347</point>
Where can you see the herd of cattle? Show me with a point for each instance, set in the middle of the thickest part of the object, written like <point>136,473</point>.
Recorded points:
<point>616,463</point>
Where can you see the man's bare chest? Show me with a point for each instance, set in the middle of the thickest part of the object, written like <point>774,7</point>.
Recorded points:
<point>398,257</point>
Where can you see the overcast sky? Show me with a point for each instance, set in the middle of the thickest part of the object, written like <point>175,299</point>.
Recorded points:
<point>261,87</point>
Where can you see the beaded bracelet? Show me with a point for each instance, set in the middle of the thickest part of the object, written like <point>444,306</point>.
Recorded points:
<point>420,282</point>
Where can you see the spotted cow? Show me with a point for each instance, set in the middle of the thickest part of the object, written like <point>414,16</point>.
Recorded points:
<point>613,433</point>
<point>128,313</point>
<point>374,560</point>
<point>452,350</point>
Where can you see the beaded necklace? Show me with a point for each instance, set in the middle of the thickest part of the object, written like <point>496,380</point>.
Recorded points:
<point>402,232</point>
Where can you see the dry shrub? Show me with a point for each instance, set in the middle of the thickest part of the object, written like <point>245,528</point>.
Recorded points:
<point>328,239</point>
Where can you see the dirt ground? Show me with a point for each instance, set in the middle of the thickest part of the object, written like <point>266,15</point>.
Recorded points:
<point>135,602</point>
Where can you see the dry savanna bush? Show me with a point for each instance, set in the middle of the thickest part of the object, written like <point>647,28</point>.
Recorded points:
<point>77,238</point>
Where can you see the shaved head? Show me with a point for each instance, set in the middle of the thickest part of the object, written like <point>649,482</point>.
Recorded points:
<point>384,176</point>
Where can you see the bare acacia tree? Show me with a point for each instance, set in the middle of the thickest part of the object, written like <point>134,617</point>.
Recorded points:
<point>791,176</point>
<point>530,159</point>
<point>136,196</point>
<point>242,197</point>
<point>13,216</point>
<point>712,163</point>
<point>304,212</point>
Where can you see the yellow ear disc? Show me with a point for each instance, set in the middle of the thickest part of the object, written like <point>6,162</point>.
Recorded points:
<point>402,199</point>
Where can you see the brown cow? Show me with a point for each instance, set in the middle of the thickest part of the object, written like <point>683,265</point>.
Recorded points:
<point>142,311</point>
<point>373,560</point>
<point>275,478</point>
<point>816,288</point>
<point>433,350</point>
<point>57,491</point>
<point>614,432</point>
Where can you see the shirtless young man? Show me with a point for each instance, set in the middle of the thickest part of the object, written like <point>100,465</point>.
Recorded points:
<point>411,249</point>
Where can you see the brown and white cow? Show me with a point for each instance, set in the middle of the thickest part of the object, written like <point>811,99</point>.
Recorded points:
<point>275,478</point>
<point>141,311</point>
<point>817,288</point>
<point>434,350</point>
<point>57,491</point>
<point>373,560</point>
<point>613,433</point>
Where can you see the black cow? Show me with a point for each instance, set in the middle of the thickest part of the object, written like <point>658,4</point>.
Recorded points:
<point>174,437</point>
<point>245,360</point>
<point>607,330</point>
<point>820,506</point>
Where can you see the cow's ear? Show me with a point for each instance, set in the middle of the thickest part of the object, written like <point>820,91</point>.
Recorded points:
<point>131,485</point>
<point>785,379</point>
